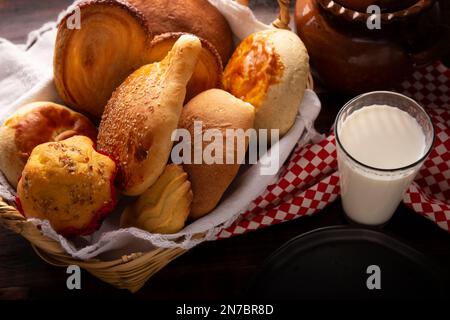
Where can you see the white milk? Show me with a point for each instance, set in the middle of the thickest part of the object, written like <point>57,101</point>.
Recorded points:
<point>381,137</point>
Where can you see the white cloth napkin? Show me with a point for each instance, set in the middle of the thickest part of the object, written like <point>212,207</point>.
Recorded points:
<point>26,75</point>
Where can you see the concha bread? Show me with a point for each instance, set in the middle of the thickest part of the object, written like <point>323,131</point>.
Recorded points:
<point>270,69</point>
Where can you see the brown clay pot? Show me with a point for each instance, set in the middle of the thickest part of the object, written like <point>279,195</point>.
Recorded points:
<point>348,57</point>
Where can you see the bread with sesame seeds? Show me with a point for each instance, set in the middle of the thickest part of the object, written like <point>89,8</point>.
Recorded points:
<point>142,114</point>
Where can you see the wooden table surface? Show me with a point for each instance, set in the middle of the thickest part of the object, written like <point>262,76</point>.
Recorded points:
<point>212,270</point>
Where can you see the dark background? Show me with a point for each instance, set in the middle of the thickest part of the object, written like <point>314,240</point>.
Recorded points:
<point>213,270</point>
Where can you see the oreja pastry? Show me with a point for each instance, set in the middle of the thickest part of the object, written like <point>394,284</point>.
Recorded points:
<point>198,17</point>
<point>269,69</point>
<point>33,124</point>
<point>143,112</point>
<point>114,40</point>
<point>164,207</point>
<point>69,184</point>
<point>216,109</point>
<point>208,71</point>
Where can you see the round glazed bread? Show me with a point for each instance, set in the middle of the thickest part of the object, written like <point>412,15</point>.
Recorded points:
<point>143,112</point>
<point>217,109</point>
<point>69,184</point>
<point>33,124</point>
<point>115,39</point>
<point>270,69</point>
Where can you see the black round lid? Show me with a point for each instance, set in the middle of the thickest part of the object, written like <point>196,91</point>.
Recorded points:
<point>348,263</point>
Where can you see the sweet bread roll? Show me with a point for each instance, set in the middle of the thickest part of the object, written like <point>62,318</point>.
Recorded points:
<point>198,17</point>
<point>143,112</point>
<point>269,69</point>
<point>114,40</point>
<point>90,62</point>
<point>216,109</point>
<point>33,124</point>
<point>164,207</point>
<point>69,184</point>
<point>208,71</point>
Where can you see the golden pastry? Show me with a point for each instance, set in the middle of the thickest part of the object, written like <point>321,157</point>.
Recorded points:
<point>164,207</point>
<point>208,71</point>
<point>90,62</point>
<point>143,112</point>
<point>114,40</point>
<point>216,109</point>
<point>269,69</point>
<point>69,184</point>
<point>198,17</point>
<point>33,124</point>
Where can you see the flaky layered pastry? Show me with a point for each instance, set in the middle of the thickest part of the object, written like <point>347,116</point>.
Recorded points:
<point>143,112</point>
<point>90,62</point>
<point>114,40</point>
<point>164,207</point>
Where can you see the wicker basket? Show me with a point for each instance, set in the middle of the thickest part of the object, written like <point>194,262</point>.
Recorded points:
<point>130,271</point>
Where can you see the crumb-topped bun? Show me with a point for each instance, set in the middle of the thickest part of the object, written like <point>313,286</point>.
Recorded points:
<point>218,110</point>
<point>270,69</point>
<point>33,124</point>
<point>164,207</point>
<point>142,114</point>
<point>69,184</point>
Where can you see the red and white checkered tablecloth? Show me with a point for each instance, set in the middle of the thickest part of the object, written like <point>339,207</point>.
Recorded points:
<point>309,181</point>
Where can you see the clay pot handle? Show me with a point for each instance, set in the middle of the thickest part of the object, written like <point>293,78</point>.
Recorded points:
<point>282,22</point>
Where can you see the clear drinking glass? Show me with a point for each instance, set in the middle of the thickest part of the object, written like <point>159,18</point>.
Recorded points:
<point>371,195</point>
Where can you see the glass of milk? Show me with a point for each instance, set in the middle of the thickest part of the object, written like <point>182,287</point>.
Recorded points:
<point>382,140</point>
